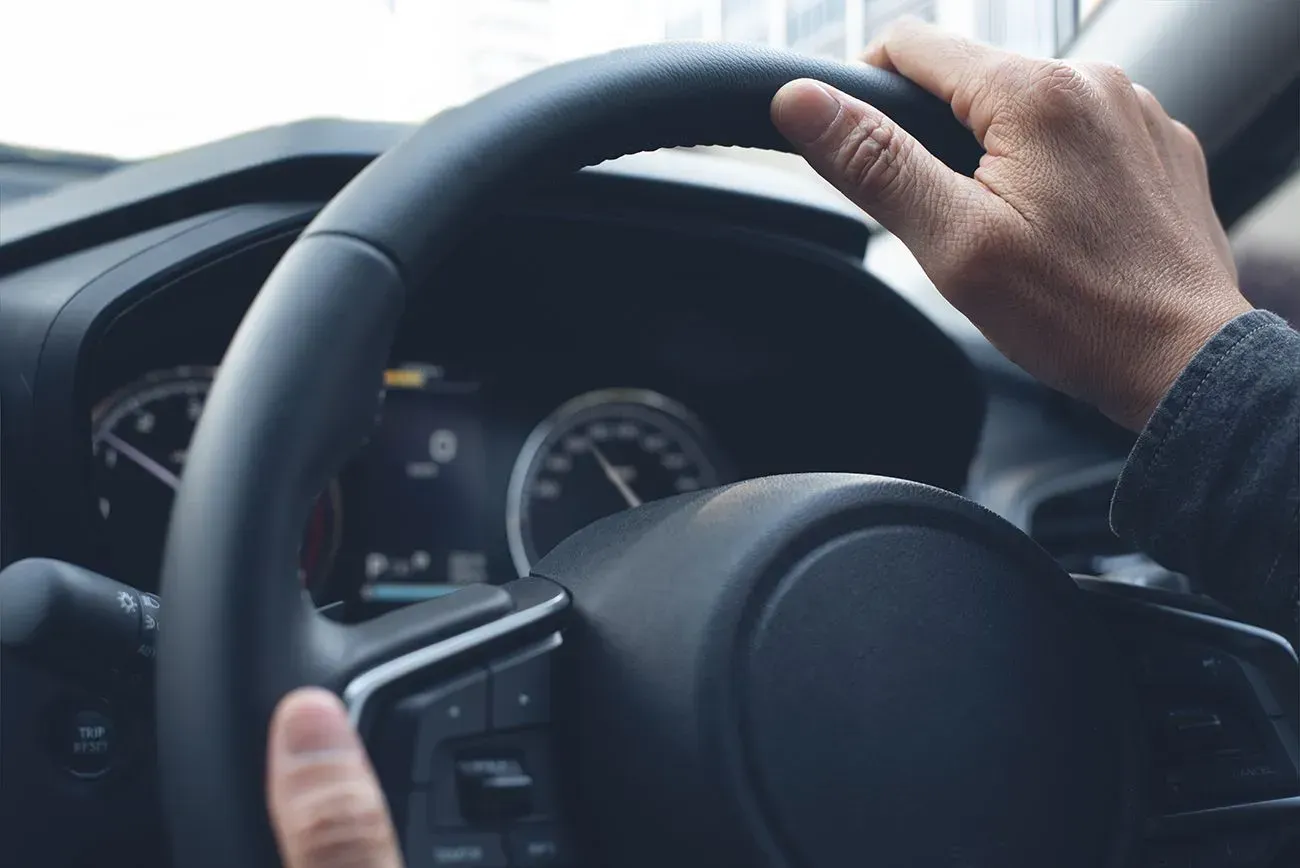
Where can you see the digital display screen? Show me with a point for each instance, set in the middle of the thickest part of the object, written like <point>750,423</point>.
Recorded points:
<point>420,488</point>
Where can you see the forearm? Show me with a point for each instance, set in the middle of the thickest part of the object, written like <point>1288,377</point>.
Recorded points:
<point>1212,488</point>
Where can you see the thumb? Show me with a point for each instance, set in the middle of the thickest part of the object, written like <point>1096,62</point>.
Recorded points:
<point>327,808</point>
<point>870,159</point>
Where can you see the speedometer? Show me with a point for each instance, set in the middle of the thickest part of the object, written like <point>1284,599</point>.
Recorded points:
<point>141,437</point>
<point>602,452</point>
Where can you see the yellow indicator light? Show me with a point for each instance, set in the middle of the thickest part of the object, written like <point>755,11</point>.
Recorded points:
<point>404,378</point>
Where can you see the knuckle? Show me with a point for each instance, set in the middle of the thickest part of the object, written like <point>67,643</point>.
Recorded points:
<point>1058,87</point>
<point>872,155</point>
<point>1112,75</point>
<point>1148,100</point>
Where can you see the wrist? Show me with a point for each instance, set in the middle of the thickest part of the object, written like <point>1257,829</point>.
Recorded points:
<point>1170,352</point>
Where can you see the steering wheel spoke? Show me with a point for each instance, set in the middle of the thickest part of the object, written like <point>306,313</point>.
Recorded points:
<point>346,651</point>
<point>1219,707</point>
<point>460,727</point>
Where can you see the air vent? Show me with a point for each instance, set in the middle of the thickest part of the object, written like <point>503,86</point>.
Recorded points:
<point>1065,508</point>
<point>1074,526</point>
<point>1070,518</point>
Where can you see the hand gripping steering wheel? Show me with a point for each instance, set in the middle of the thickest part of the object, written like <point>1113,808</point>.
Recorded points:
<point>813,670</point>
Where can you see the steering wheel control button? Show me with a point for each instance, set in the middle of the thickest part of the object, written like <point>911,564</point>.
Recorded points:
<point>150,622</point>
<point>1214,754</point>
<point>450,711</point>
<point>86,740</point>
<point>1187,669</point>
<point>466,850</point>
<point>493,790</point>
<point>521,688</point>
<point>1197,731</point>
<point>538,846</point>
<point>1225,781</point>
<point>1188,665</point>
<point>457,799</point>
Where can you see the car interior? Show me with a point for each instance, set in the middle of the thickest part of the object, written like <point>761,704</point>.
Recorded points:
<point>647,504</point>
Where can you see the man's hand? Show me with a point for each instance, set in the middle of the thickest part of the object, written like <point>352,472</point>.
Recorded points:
<point>1086,247</point>
<point>326,805</point>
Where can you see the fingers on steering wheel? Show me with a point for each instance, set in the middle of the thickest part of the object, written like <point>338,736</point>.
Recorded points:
<point>958,70</point>
<point>877,54</point>
<point>326,805</point>
<point>875,163</point>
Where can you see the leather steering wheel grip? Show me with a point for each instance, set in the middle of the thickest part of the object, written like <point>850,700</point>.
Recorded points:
<point>584,112</point>
<point>299,385</point>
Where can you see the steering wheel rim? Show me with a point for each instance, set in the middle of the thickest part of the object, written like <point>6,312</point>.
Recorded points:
<point>240,634</point>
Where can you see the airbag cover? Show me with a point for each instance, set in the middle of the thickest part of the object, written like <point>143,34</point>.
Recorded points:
<point>913,698</point>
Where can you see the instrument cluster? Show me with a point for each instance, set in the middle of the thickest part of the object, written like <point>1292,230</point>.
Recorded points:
<point>599,365</point>
<point>433,501</point>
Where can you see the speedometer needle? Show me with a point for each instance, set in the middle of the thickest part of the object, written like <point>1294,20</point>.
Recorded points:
<point>612,475</point>
<point>153,468</point>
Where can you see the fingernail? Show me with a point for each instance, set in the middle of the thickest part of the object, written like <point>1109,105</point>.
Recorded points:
<point>312,720</point>
<point>803,110</point>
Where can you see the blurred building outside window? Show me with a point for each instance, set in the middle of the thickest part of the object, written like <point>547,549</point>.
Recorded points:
<point>163,79</point>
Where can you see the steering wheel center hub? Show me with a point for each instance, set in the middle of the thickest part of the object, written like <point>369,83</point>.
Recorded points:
<point>906,687</point>
<point>841,666</point>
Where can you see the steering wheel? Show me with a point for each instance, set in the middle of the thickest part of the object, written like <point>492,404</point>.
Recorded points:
<point>812,670</point>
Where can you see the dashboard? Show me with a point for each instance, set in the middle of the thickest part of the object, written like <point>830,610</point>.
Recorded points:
<point>535,400</point>
<point>572,363</point>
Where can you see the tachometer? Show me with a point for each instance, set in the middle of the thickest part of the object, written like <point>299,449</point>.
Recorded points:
<point>600,453</point>
<point>141,436</point>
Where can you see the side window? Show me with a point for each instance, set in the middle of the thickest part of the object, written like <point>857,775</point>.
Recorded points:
<point>1268,256</point>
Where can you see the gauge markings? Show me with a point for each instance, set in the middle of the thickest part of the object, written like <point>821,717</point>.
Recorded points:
<point>598,454</point>
<point>140,440</point>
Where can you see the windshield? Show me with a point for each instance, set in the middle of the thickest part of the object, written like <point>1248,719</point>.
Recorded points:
<point>133,78</point>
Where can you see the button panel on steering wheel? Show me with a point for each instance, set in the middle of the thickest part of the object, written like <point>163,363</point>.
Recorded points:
<point>1221,716</point>
<point>468,764</point>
